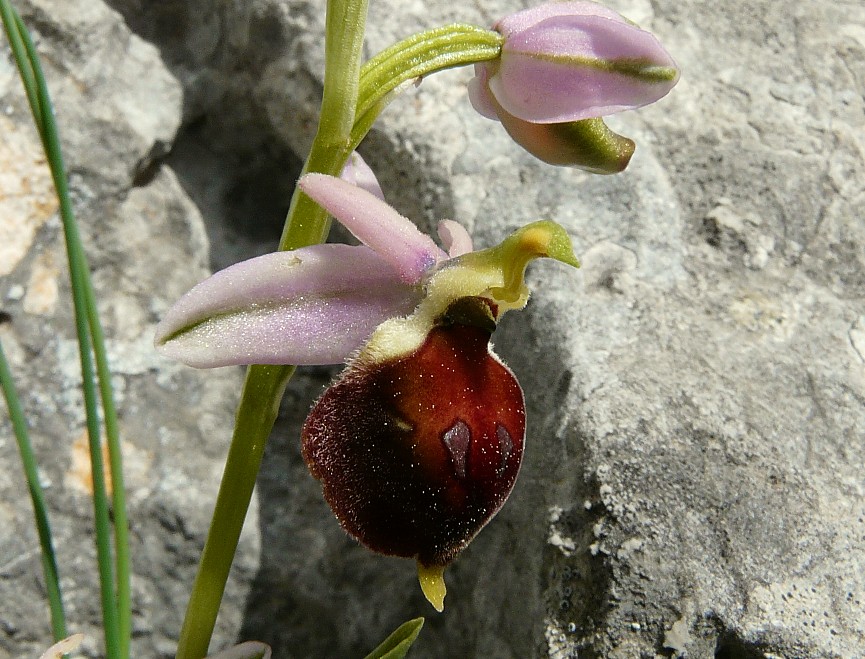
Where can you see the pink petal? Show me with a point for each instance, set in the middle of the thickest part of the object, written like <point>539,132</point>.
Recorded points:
<point>479,92</point>
<point>358,173</point>
<point>314,305</point>
<point>455,238</point>
<point>376,224</point>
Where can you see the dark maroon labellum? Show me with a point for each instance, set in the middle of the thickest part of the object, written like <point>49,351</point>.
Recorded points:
<point>416,454</point>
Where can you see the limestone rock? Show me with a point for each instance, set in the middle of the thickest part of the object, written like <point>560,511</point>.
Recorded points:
<point>693,477</point>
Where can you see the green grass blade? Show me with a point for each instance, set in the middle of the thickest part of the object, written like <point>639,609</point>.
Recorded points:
<point>28,460</point>
<point>78,273</point>
<point>116,607</point>
<point>115,468</point>
<point>11,22</point>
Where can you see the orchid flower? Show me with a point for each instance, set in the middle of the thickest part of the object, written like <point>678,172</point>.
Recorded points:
<point>563,66</point>
<point>418,442</point>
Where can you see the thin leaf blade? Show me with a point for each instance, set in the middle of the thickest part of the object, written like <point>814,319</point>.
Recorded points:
<point>398,643</point>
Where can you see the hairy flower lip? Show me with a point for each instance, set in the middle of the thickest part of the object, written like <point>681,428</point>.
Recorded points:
<point>417,452</point>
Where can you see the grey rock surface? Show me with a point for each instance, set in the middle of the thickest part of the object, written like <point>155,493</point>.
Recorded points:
<point>696,393</point>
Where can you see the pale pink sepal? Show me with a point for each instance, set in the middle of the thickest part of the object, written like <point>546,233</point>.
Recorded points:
<point>314,305</point>
<point>522,20</point>
<point>376,224</point>
<point>564,68</point>
<point>568,61</point>
<point>455,238</point>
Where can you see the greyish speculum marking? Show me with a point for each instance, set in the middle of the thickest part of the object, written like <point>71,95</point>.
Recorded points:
<point>457,441</point>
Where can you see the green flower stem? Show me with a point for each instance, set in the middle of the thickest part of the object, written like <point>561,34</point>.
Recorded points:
<point>344,30</point>
<point>306,224</point>
<point>116,606</point>
<point>424,53</point>
<point>97,339</point>
<point>40,512</point>
<point>420,55</point>
<point>259,405</point>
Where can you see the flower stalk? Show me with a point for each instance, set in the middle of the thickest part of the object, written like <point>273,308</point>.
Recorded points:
<point>422,54</point>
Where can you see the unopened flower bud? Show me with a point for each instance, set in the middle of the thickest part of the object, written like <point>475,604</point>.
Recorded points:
<point>566,62</point>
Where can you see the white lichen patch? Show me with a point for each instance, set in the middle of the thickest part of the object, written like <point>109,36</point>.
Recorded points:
<point>825,612</point>
<point>678,638</point>
<point>26,193</point>
<point>559,646</point>
<point>761,315</point>
<point>555,537</point>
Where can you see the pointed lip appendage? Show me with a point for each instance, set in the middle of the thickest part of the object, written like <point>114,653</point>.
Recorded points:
<point>432,584</point>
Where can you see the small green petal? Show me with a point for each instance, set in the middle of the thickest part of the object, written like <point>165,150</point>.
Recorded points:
<point>432,583</point>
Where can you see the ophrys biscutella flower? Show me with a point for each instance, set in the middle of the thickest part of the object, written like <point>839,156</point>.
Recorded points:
<point>419,441</point>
